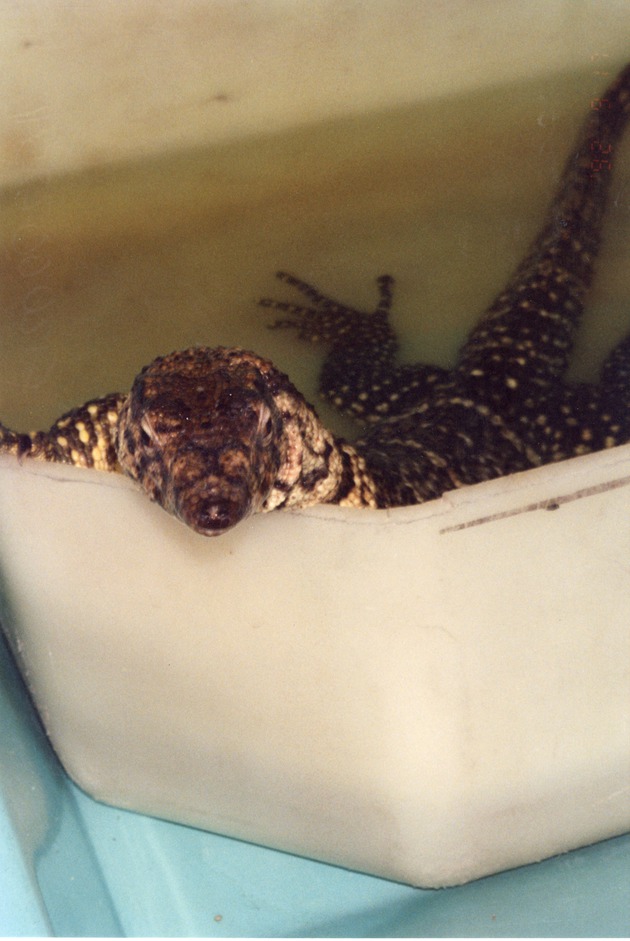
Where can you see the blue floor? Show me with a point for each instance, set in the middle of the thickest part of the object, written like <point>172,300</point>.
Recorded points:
<point>70,866</point>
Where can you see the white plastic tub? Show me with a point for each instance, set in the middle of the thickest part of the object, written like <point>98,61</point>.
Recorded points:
<point>431,694</point>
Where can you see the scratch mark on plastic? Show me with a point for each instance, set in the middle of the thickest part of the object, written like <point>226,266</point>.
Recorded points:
<point>553,503</point>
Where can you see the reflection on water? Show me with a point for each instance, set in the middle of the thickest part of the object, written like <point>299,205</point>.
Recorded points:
<point>100,273</point>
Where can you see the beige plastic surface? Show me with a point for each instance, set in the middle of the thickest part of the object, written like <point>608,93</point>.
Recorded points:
<point>430,694</point>
<point>94,83</point>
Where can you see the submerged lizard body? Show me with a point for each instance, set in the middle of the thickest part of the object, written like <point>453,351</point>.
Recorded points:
<point>213,435</point>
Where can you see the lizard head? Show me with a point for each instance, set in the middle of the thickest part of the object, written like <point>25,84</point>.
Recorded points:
<point>203,433</point>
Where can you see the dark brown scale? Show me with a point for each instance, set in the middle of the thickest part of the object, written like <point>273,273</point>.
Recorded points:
<point>213,435</point>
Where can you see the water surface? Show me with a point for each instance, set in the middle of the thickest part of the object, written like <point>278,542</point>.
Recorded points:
<point>102,272</point>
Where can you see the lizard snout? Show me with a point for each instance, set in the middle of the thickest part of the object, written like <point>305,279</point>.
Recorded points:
<point>213,515</point>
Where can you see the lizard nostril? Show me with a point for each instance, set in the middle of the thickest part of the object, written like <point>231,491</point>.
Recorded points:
<point>214,517</point>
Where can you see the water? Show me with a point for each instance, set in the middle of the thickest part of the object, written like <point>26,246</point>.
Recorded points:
<point>102,272</point>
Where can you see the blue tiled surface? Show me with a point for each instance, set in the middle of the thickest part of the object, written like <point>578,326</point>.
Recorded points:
<point>71,866</point>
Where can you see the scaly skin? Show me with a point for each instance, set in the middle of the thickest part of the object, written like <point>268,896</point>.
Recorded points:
<point>213,435</point>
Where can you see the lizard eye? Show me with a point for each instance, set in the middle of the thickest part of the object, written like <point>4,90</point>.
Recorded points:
<point>265,425</point>
<point>146,436</point>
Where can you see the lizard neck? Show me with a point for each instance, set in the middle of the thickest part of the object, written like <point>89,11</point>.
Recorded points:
<point>316,465</point>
